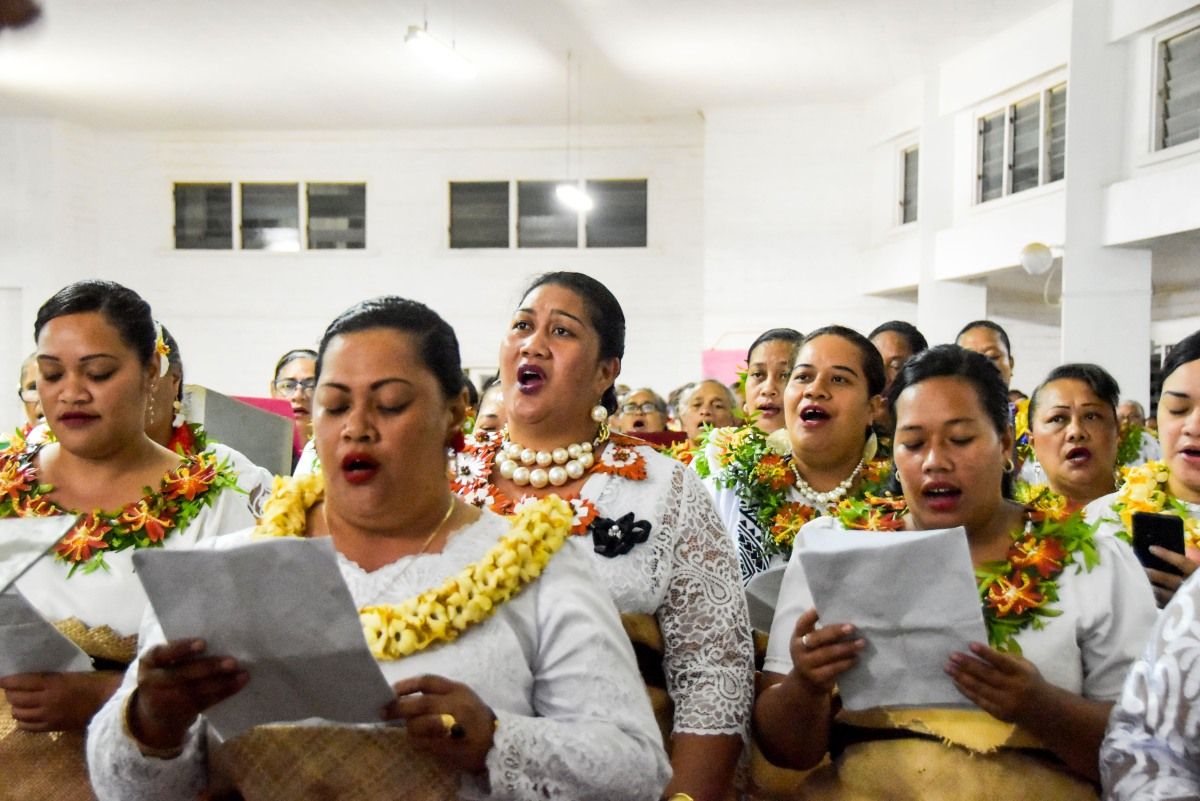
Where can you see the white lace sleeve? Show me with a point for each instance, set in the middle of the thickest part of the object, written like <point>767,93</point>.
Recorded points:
<point>1152,749</point>
<point>709,658</point>
<point>119,771</point>
<point>593,734</point>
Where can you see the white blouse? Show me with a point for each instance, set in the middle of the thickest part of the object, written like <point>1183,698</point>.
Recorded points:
<point>114,597</point>
<point>1087,649</point>
<point>1152,749</point>
<point>553,663</point>
<point>686,574</point>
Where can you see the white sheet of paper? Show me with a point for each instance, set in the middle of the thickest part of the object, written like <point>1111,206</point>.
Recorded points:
<point>281,608</point>
<point>24,540</point>
<point>913,598</point>
<point>30,644</point>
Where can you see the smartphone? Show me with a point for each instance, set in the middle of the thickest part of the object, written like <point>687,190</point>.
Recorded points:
<point>1165,531</point>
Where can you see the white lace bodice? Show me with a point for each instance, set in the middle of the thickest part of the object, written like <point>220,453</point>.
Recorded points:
<point>1152,748</point>
<point>553,663</point>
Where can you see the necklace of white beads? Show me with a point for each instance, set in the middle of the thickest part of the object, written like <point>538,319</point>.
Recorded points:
<point>526,466</point>
<point>824,500</point>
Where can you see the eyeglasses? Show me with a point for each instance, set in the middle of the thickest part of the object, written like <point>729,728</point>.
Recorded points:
<point>634,408</point>
<point>28,394</point>
<point>287,387</point>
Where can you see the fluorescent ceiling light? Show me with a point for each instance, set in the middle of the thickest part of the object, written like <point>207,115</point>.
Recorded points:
<point>432,49</point>
<point>573,197</point>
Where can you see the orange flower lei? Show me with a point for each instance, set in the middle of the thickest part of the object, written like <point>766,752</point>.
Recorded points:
<point>1017,591</point>
<point>472,469</point>
<point>145,523</point>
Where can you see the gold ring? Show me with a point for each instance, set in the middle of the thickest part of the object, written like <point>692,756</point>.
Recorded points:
<point>804,642</point>
<point>448,724</point>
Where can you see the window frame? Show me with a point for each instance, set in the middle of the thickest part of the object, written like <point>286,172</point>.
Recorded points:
<point>902,148</point>
<point>1007,109</point>
<point>1181,27</point>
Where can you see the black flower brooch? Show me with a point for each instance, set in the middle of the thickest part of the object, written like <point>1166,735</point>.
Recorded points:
<point>617,537</point>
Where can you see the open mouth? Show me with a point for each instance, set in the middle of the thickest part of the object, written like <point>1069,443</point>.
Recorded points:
<point>359,468</point>
<point>530,378</point>
<point>941,497</point>
<point>1190,453</point>
<point>1078,455</point>
<point>638,424</point>
<point>769,409</point>
<point>300,411</point>
<point>813,415</point>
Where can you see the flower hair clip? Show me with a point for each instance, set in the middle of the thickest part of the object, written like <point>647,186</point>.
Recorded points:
<point>162,349</point>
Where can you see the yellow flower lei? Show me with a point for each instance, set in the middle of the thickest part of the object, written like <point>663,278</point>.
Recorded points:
<point>442,613</point>
<point>1145,490</point>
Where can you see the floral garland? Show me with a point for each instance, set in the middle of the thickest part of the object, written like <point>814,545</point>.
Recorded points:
<point>1019,412</point>
<point>1145,490</point>
<point>188,438</point>
<point>681,451</point>
<point>145,523</point>
<point>472,469</point>
<point>1016,592</point>
<point>759,470</point>
<point>1041,498</point>
<point>442,613</point>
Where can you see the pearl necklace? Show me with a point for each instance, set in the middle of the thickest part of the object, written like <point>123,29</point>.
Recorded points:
<point>524,466</point>
<point>824,500</point>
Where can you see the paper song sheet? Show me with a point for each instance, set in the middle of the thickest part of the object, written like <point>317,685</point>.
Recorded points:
<point>913,598</point>
<point>30,644</point>
<point>281,608</point>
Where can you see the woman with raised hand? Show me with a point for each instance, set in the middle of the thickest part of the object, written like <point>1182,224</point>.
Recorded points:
<point>656,542</point>
<point>766,488</point>
<point>1073,431</point>
<point>539,699</point>
<point>1066,614</point>
<point>97,372</point>
<point>1170,486</point>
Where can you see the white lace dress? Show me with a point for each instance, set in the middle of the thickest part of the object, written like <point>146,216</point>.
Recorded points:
<point>1152,749</point>
<point>553,663</point>
<point>685,574</point>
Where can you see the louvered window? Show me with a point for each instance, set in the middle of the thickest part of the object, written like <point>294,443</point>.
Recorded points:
<point>203,216</point>
<point>1023,145</point>
<point>910,160</point>
<point>1179,89</point>
<point>337,216</point>
<point>618,218</point>
<point>479,214</point>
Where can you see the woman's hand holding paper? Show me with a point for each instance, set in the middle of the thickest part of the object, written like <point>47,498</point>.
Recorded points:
<point>1004,685</point>
<point>445,718</point>
<point>819,656</point>
<point>176,682</point>
<point>57,701</point>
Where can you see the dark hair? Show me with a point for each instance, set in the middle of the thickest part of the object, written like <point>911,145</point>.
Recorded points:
<point>174,358</point>
<point>122,308</point>
<point>915,339</point>
<point>953,361</point>
<point>872,362</point>
<point>789,335</point>
<point>488,383</point>
<point>1099,380</point>
<point>436,342</point>
<point>1185,350</point>
<point>990,325</point>
<point>472,392</point>
<point>291,356</point>
<point>604,313</point>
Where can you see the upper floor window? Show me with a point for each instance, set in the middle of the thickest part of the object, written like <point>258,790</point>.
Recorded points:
<point>480,214</point>
<point>1022,145</point>
<point>333,216</point>
<point>1178,107</point>
<point>909,163</point>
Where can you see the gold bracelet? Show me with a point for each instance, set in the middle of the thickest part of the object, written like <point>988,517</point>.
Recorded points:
<point>680,797</point>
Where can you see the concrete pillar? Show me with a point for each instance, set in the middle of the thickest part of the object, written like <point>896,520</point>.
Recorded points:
<point>942,306</point>
<point>1106,290</point>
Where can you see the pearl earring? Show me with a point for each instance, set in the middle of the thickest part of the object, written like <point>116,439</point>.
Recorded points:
<point>599,413</point>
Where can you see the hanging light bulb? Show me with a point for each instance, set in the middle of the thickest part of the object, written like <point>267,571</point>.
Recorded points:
<point>571,196</point>
<point>444,56</point>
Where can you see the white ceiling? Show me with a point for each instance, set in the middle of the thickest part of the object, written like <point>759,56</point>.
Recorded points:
<point>342,63</point>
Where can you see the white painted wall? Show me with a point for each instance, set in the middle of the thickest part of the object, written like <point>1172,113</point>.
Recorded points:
<point>234,312</point>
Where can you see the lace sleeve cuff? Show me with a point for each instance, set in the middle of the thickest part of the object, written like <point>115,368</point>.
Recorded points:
<point>535,759</point>
<point>121,769</point>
